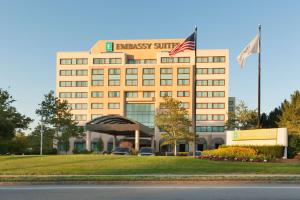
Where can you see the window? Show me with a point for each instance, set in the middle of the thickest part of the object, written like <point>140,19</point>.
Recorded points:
<point>141,61</point>
<point>210,70</point>
<point>79,106</point>
<point>114,94</point>
<point>220,82</point>
<point>97,94</point>
<point>113,105</point>
<point>211,59</point>
<point>183,93</point>
<point>149,76</point>
<point>96,105</point>
<point>165,94</point>
<point>79,94</point>
<point>65,95</point>
<point>166,76</point>
<point>131,76</point>
<point>131,94</point>
<point>210,129</point>
<point>97,77</point>
<point>183,76</point>
<point>74,61</point>
<point>73,83</point>
<point>210,105</point>
<point>210,117</point>
<point>184,105</point>
<point>148,94</point>
<point>107,61</point>
<point>94,116</point>
<point>80,117</point>
<point>114,77</point>
<point>210,94</point>
<point>175,60</point>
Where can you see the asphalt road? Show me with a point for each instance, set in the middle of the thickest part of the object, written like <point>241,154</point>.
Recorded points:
<point>150,192</point>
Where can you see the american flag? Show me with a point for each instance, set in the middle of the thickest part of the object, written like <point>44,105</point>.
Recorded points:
<point>188,44</point>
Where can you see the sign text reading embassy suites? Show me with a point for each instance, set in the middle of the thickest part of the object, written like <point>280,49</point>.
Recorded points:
<point>146,46</point>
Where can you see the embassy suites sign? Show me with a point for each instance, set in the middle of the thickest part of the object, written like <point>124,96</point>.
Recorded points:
<point>110,46</point>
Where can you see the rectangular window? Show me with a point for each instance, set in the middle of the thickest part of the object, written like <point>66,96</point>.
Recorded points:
<point>97,94</point>
<point>65,95</point>
<point>131,94</point>
<point>114,77</point>
<point>183,94</point>
<point>131,77</point>
<point>96,105</point>
<point>78,106</point>
<point>148,94</point>
<point>211,59</point>
<point>107,61</point>
<point>99,61</point>
<point>113,105</point>
<point>166,76</point>
<point>80,94</point>
<point>165,94</point>
<point>185,105</point>
<point>210,129</point>
<point>113,94</point>
<point>74,61</point>
<point>149,76</point>
<point>175,59</point>
<point>210,117</point>
<point>220,82</point>
<point>73,83</point>
<point>210,94</point>
<point>210,105</point>
<point>183,76</point>
<point>97,77</point>
<point>94,116</point>
<point>80,117</point>
<point>210,70</point>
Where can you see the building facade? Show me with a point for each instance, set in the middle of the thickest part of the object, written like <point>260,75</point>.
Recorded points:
<point>131,77</point>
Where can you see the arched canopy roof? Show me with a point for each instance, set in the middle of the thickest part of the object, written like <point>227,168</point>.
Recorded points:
<point>118,125</point>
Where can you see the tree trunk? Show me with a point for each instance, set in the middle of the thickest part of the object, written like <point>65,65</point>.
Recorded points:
<point>175,148</point>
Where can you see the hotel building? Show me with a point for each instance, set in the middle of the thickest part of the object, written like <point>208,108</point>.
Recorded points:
<point>131,77</point>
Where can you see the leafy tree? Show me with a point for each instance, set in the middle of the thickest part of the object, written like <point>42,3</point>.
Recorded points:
<point>10,118</point>
<point>56,114</point>
<point>290,117</point>
<point>34,139</point>
<point>272,119</point>
<point>172,119</point>
<point>243,118</point>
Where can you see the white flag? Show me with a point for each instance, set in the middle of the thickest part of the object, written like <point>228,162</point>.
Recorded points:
<point>251,48</point>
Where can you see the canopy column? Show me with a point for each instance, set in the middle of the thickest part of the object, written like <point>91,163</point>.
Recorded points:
<point>137,140</point>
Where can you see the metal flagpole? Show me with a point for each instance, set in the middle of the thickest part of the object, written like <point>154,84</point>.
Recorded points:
<point>194,95</point>
<point>259,69</point>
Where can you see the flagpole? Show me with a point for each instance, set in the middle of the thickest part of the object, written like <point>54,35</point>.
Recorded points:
<point>259,74</point>
<point>194,86</point>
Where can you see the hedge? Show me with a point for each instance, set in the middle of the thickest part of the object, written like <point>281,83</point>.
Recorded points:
<point>270,151</point>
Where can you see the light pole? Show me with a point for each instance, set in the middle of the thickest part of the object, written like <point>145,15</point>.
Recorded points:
<point>42,132</point>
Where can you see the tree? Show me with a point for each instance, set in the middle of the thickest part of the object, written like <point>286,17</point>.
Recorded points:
<point>10,118</point>
<point>290,117</point>
<point>173,119</point>
<point>34,139</point>
<point>56,114</point>
<point>242,118</point>
<point>271,120</point>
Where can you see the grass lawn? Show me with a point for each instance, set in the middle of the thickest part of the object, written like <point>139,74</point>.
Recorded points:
<point>110,165</point>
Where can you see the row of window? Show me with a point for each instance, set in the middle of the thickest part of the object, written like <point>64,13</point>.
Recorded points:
<point>148,94</point>
<point>84,61</point>
<point>210,105</point>
<point>211,82</point>
<point>78,72</point>
<point>73,83</point>
<point>209,128</point>
<point>74,61</point>
<point>210,117</point>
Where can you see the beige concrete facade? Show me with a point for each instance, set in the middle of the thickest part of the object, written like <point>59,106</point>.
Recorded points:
<point>213,67</point>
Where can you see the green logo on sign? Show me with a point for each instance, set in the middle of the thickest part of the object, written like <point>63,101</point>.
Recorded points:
<point>109,46</point>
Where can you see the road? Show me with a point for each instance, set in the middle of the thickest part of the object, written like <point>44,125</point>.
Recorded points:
<point>150,192</point>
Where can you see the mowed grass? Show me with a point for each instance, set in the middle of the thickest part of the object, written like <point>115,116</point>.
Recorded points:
<point>122,165</point>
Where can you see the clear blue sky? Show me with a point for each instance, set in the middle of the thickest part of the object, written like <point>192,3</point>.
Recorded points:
<point>32,31</point>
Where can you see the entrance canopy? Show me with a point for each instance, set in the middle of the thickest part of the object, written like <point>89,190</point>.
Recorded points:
<point>118,125</point>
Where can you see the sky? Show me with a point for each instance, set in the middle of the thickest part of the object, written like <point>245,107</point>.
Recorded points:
<point>32,31</point>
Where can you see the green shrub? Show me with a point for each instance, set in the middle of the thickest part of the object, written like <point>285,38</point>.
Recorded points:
<point>294,145</point>
<point>270,151</point>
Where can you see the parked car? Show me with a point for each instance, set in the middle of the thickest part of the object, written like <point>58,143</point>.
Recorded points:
<point>121,151</point>
<point>146,151</point>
